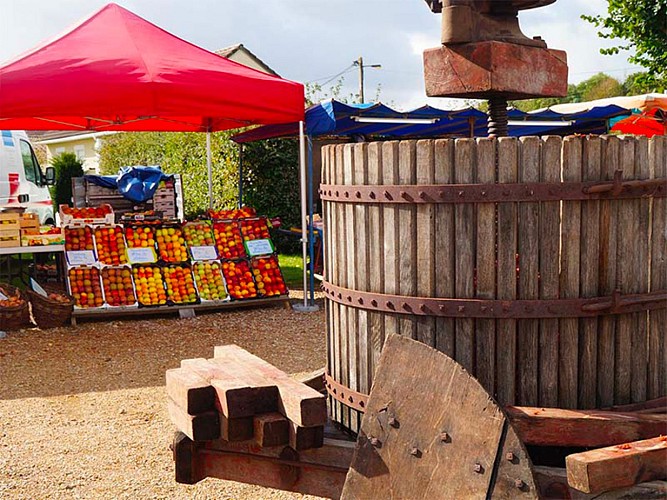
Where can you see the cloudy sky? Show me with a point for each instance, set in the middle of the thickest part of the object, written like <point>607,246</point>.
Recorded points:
<point>315,40</point>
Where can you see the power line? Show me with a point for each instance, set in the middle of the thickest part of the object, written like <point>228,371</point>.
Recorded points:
<point>331,77</point>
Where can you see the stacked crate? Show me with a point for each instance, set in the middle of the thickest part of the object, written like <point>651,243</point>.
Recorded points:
<point>10,230</point>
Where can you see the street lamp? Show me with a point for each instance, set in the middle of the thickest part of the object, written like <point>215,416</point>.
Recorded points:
<point>360,63</point>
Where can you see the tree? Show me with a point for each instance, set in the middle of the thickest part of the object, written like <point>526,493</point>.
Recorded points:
<point>67,166</point>
<point>643,25</point>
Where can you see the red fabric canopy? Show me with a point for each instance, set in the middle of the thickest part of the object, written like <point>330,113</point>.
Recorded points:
<point>117,71</point>
<point>649,123</point>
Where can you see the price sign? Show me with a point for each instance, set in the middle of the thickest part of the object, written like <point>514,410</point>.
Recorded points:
<point>80,257</point>
<point>141,255</point>
<point>203,253</point>
<point>37,288</point>
<point>259,247</point>
<point>3,296</point>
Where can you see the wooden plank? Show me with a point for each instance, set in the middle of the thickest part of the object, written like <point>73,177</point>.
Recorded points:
<point>328,158</point>
<point>391,231</point>
<point>507,278</point>
<point>314,380</point>
<point>201,427</point>
<point>305,438</point>
<point>585,428</point>
<point>651,404</point>
<point>343,261</point>
<point>640,278</point>
<point>271,429</point>
<point>236,429</point>
<point>425,241</point>
<point>549,259</point>
<point>620,466</point>
<point>589,252</point>
<point>336,259</point>
<point>465,253</point>
<point>657,338</point>
<point>445,335</point>
<point>528,249</point>
<point>625,257</point>
<point>568,357</point>
<point>608,239</point>
<point>375,257</point>
<point>298,402</point>
<point>485,329</point>
<point>183,453</point>
<point>407,234</point>
<point>190,391</point>
<point>397,458</point>
<point>351,377</point>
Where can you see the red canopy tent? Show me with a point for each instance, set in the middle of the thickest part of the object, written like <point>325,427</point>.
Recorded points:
<point>649,123</point>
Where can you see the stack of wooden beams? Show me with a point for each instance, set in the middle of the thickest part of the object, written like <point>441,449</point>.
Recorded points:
<point>236,396</point>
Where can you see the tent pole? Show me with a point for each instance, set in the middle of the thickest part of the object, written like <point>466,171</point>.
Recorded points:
<point>304,222</point>
<point>240,175</point>
<point>311,236</point>
<point>210,169</point>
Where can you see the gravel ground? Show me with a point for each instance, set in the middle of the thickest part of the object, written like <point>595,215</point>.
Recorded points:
<point>83,410</point>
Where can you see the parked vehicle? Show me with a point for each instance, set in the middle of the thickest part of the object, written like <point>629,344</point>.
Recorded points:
<point>22,182</point>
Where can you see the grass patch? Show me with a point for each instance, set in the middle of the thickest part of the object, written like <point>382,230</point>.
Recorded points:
<point>291,266</point>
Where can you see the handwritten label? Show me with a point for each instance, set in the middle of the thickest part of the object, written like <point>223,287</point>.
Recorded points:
<point>3,296</point>
<point>141,255</point>
<point>37,288</point>
<point>259,247</point>
<point>80,257</point>
<point>203,253</point>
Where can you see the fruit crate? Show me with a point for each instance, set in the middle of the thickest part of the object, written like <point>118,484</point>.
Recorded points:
<point>83,283</point>
<point>10,238</point>
<point>256,228</point>
<point>102,214</point>
<point>239,278</point>
<point>180,285</point>
<point>199,234</point>
<point>110,245</point>
<point>228,239</point>
<point>149,285</point>
<point>137,234</point>
<point>29,222</point>
<point>31,240</point>
<point>171,248</point>
<point>10,221</point>
<point>210,282</point>
<point>268,276</point>
<point>118,286</point>
<point>235,214</point>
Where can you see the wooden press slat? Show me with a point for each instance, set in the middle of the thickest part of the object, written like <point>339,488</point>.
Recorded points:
<point>426,270</point>
<point>589,251</point>
<point>444,245</point>
<point>569,277</point>
<point>407,218</point>
<point>657,341</point>
<point>640,276</point>
<point>528,236</point>
<point>375,256</point>
<point>507,279</point>
<point>334,244</point>
<point>391,232</point>
<point>549,258</point>
<point>608,237</point>
<point>328,158</point>
<point>350,332</point>
<point>485,329</point>
<point>465,253</point>
<point>625,257</point>
<point>342,279</point>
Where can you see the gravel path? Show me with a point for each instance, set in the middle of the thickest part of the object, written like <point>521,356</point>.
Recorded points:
<point>83,410</point>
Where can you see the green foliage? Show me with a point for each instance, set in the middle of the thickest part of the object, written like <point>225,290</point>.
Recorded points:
<point>639,83</point>
<point>643,26</point>
<point>67,165</point>
<point>180,153</point>
<point>271,184</point>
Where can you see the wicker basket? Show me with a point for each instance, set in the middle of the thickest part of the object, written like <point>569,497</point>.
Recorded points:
<point>16,317</point>
<point>49,313</point>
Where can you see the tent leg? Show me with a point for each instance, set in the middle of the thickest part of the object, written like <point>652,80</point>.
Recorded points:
<point>304,224</point>
<point>240,175</point>
<point>311,236</point>
<point>210,170</point>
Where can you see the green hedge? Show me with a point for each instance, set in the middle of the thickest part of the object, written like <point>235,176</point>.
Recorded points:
<point>67,165</point>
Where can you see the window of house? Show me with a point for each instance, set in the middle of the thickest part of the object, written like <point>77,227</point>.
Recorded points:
<point>30,165</point>
<point>60,151</point>
<point>80,152</point>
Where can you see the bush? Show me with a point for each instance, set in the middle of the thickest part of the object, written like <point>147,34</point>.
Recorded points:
<point>67,166</point>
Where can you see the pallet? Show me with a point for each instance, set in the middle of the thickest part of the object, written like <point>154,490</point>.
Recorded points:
<point>186,311</point>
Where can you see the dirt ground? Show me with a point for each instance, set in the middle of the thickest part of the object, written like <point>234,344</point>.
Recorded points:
<point>83,410</point>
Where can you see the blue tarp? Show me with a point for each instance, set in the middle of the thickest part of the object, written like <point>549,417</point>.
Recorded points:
<point>137,184</point>
<point>332,118</point>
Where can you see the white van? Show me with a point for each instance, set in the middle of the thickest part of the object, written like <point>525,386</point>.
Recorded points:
<point>22,182</point>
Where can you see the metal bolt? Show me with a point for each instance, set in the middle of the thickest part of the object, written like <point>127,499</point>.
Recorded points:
<point>510,457</point>
<point>441,308</point>
<point>415,452</point>
<point>393,422</point>
<point>477,468</point>
<point>518,483</point>
<point>483,308</point>
<point>375,442</point>
<point>483,193</point>
<point>444,437</point>
<point>462,308</point>
<point>441,194</point>
<point>461,193</point>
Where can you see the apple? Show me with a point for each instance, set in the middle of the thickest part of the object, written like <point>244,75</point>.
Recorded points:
<point>237,213</point>
<point>110,245</point>
<point>209,280</point>
<point>255,229</point>
<point>118,288</point>
<point>239,279</point>
<point>198,234</point>
<point>140,236</point>
<point>171,244</point>
<point>79,238</point>
<point>13,299</point>
<point>228,240</point>
<point>268,277</point>
<point>180,285</point>
<point>87,212</point>
<point>150,285</point>
<point>84,283</point>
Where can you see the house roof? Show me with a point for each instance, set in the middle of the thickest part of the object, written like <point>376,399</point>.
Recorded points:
<point>230,51</point>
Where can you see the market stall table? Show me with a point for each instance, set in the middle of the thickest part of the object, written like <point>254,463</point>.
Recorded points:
<point>58,250</point>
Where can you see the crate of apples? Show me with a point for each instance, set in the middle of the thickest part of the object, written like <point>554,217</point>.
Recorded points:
<point>198,234</point>
<point>149,285</point>
<point>140,236</point>
<point>118,286</point>
<point>110,245</point>
<point>84,284</point>
<point>228,240</point>
<point>171,244</point>
<point>240,282</point>
<point>180,285</point>
<point>268,276</point>
<point>208,276</point>
<point>255,229</point>
<point>90,215</point>
<point>237,213</point>
<point>79,238</point>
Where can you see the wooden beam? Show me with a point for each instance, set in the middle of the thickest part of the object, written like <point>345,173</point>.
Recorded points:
<point>236,429</point>
<point>305,438</point>
<point>651,406</point>
<point>190,391</point>
<point>201,427</point>
<point>583,428</point>
<point>314,380</point>
<point>271,429</point>
<point>620,466</point>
